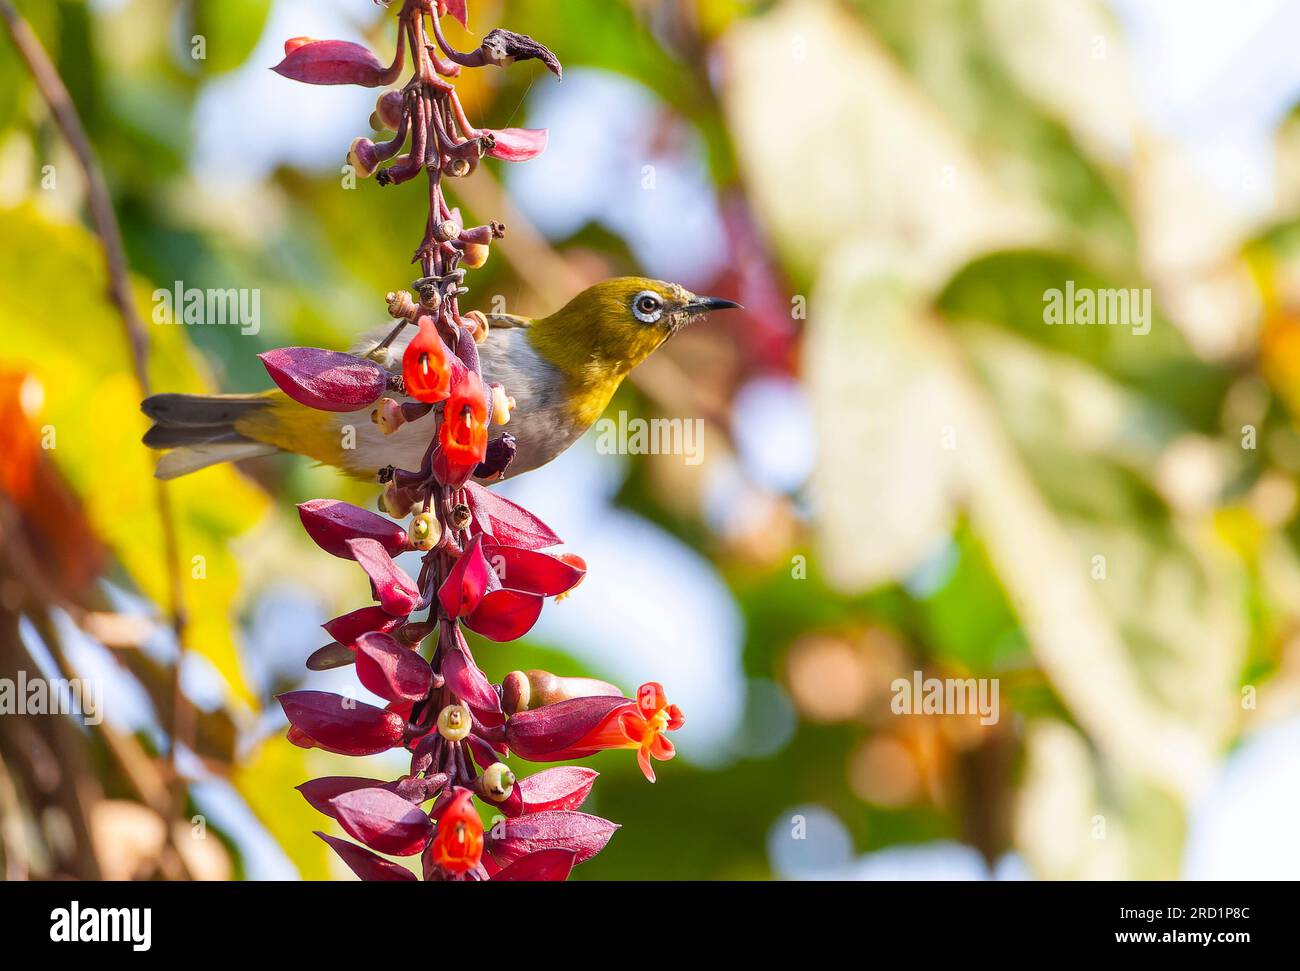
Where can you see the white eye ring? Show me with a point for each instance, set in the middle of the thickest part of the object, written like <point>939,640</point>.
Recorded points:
<point>647,306</point>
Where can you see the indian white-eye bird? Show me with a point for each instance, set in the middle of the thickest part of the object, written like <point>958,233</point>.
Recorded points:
<point>561,370</point>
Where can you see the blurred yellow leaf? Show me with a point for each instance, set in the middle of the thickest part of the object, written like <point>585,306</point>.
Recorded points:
<point>59,325</point>
<point>266,781</point>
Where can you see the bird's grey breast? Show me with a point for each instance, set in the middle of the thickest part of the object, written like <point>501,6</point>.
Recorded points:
<point>541,422</point>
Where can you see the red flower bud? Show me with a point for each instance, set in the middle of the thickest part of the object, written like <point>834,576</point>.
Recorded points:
<point>383,821</point>
<point>552,865</point>
<point>582,834</point>
<point>330,62</point>
<point>470,684</point>
<point>531,572</point>
<point>390,107</point>
<point>325,380</point>
<point>331,523</point>
<point>564,787</point>
<point>561,731</point>
<point>347,628</point>
<point>341,724</point>
<point>467,581</point>
<point>428,367</point>
<point>505,615</point>
<point>392,670</point>
<point>365,864</point>
<point>395,591</point>
<point>319,792</point>
<point>508,524</point>
<point>517,144</point>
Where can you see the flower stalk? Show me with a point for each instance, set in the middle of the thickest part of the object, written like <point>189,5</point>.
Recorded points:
<point>485,563</point>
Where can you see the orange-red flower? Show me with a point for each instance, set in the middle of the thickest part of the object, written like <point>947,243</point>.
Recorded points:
<point>464,432</point>
<point>458,843</point>
<point>428,366</point>
<point>580,727</point>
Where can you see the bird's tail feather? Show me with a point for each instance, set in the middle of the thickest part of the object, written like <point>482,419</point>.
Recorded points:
<point>200,430</point>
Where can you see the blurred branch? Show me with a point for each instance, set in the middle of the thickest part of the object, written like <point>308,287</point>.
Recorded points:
<point>55,93</point>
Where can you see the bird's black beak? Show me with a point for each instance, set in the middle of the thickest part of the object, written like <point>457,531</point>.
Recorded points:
<point>702,305</point>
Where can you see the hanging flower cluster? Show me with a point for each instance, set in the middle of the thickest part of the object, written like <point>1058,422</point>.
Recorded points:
<point>485,564</point>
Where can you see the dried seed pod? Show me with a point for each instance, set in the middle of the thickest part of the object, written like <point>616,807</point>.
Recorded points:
<point>401,305</point>
<point>458,168</point>
<point>460,516</point>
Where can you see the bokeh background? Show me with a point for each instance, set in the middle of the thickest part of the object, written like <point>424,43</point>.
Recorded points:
<point>904,469</point>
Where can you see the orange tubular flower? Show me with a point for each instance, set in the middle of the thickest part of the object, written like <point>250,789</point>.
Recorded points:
<point>457,845</point>
<point>428,366</point>
<point>580,727</point>
<point>464,431</point>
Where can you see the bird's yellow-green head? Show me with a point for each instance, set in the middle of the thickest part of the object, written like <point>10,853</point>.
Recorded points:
<point>610,328</point>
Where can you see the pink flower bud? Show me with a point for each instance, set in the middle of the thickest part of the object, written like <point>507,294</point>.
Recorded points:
<point>331,523</point>
<point>342,725</point>
<point>365,864</point>
<point>319,792</point>
<point>383,820</point>
<point>330,62</point>
<point>470,684</point>
<point>325,380</point>
<point>392,670</point>
<point>530,571</point>
<point>390,107</point>
<point>564,730</point>
<point>517,144</point>
<point>582,834</point>
<point>363,158</point>
<point>347,628</point>
<point>395,591</point>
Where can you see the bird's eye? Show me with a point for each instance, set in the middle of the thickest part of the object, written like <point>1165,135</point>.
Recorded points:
<point>647,306</point>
